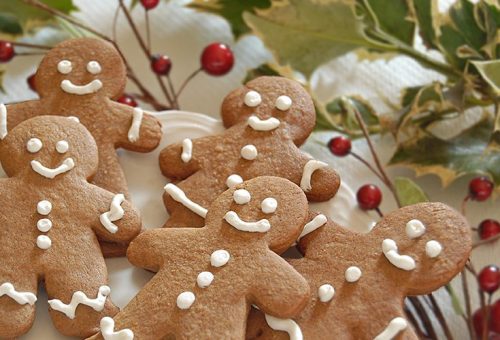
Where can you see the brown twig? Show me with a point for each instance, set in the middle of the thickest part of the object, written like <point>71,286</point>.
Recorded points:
<point>464,204</point>
<point>485,241</point>
<point>440,317</point>
<point>148,30</point>
<point>468,315</point>
<point>24,54</point>
<point>423,316</point>
<point>414,322</point>
<point>186,81</point>
<point>23,44</point>
<point>349,107</point>
<point>368,165</point>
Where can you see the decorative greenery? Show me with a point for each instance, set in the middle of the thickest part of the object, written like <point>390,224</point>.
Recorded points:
<point>409,192</point>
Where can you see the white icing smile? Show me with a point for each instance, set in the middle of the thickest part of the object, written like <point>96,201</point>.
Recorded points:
<point>89,88</point>
<point>233,219</point>
<point>263,125</point>
<point>390,250</point>
<point>66,166</point>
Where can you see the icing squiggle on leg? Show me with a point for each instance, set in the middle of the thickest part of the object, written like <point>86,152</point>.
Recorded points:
<point>108,330</point>
<point>133,132</point>
<point>21,298</point>
<point>309,168</point>
<point>80,297</point>
<point>394,328</point>
<point>3,121</point>
<point>180,196</point>
<point>285,325</point>
<point>315,223</point>
<point>115,213</point>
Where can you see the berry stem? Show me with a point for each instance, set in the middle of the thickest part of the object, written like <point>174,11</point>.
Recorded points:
<point>468,314</point>
<point>440,317</point>
<point>379,212</point>
<point>23,44</point>
<point>24,54</point>
<point>464,204</point>
<point>148,29</point>
<point>186,81</point>
<point>488,240</point>
<point>368,165</point>
<point>352,110</point>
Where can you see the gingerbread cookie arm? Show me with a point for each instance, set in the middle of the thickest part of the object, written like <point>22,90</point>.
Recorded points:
<point>181,160</point>
<point>138,130</point>
<point>115,219</point>
<point>318,181</point>
<point>280,290</point>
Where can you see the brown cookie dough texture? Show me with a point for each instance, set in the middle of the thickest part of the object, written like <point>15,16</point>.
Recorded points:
<point>359,281</point>
<point>267,120</point>
<point>79,78</point>
<point>51,217</point>
<point>207,278</point>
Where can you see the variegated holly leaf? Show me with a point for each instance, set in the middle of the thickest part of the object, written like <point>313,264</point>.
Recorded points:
<point>409,192</point>
<point>18,18</point>
<point>490,72</point>
<point>231,10</point>
<point>464,154</point>
<point>427,17</point>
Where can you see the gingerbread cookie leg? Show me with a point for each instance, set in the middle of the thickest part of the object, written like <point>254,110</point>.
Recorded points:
<point>76,308</point>
<point>17,301</point>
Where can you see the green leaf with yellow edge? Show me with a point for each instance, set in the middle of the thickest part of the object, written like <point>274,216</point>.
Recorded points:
<point>9,24</point>
<point>464,154</point>
<point>490,72</point>
<point>426,15</point>
<point>409,192</point>
<point>308,33</point>
<point>462,15</point>
<point>262,70</point>
<point>29,17</point>
<point>455,301</point>
<point>450,40</point>
<point>231,10</point>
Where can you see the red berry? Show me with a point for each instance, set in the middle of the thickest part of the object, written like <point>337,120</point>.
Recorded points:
<point>127,100</point>
<point>480,188</point>
<point>489,278</point>
<point>495,317</point>
<point>488,228</point>
<point>478,321</point>
<point>6,51</point>
<point>340,146</point>
<point>161,64</point>
<point>31,82</point>
<point>217,59</point>
<point>149,4</point>
<point>369,197</point>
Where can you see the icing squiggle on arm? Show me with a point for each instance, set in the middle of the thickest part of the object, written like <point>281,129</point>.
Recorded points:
<point>80,297</point>
<point>115,213</point>
<point>3,121</point>
<point>108,330</point>
<point>133,132</point>
<point>187,150</point>
<point>285,325</point>
<point>66,166</point>
<point>309,168</point>
<point>21,298</point>
<point>179,196</point>
<point>233,219</point>
<point>312,225</point>
<point>390,250</point>
<point>396,326</point>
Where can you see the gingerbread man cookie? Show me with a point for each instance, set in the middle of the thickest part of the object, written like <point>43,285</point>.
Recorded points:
<point>207,278</point>
<point>50,216</point>
<point>359,281</point>
<point>267,120</point>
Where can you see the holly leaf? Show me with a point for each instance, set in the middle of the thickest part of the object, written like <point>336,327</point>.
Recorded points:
<point>9,24</point>
<point>28,17</point>
<point>232,11</point>
<point>2,72</point>
<point>409,192</point>
<point>262,70</point>
<point>462,15</point>
<point>450,159</point>
<point>307,33</point>
<point>426,16</point>
<point>490,72</point>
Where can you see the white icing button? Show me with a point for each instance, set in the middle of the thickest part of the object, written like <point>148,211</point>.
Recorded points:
<point>34,145</point>
<point>241,196</point>
<point>249,152</point>
<point>64,66</point>
<point>204,279</point>
<point>252,98</point>
<point>43,242</point>
<point>94,67</point>
<point>269,205</point>
<point>233,180</point>
<point>415,229</point>
<point>44,207</point>
<point>44,225</point>
<point>326,292</point>
<point>219,258</point>
<point>185,300</point>
<point>283,103</point>
<point>433,248</point>
<point>62,146</point>
<point>352,274</point>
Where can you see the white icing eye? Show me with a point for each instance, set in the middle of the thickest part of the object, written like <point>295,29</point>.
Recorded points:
<point>252,99</point>
<point>94,67</point>
<point>283,103</point>
<point>241,196</point>
<point>34,145</point>
<point>62,146</point>
<point>269,205</point>
<point>64,66</point>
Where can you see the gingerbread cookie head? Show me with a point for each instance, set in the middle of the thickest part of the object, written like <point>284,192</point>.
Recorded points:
<point>78,68</point>
<point>266,207</point>
<point>46,147</point>
<point>269,103</point>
